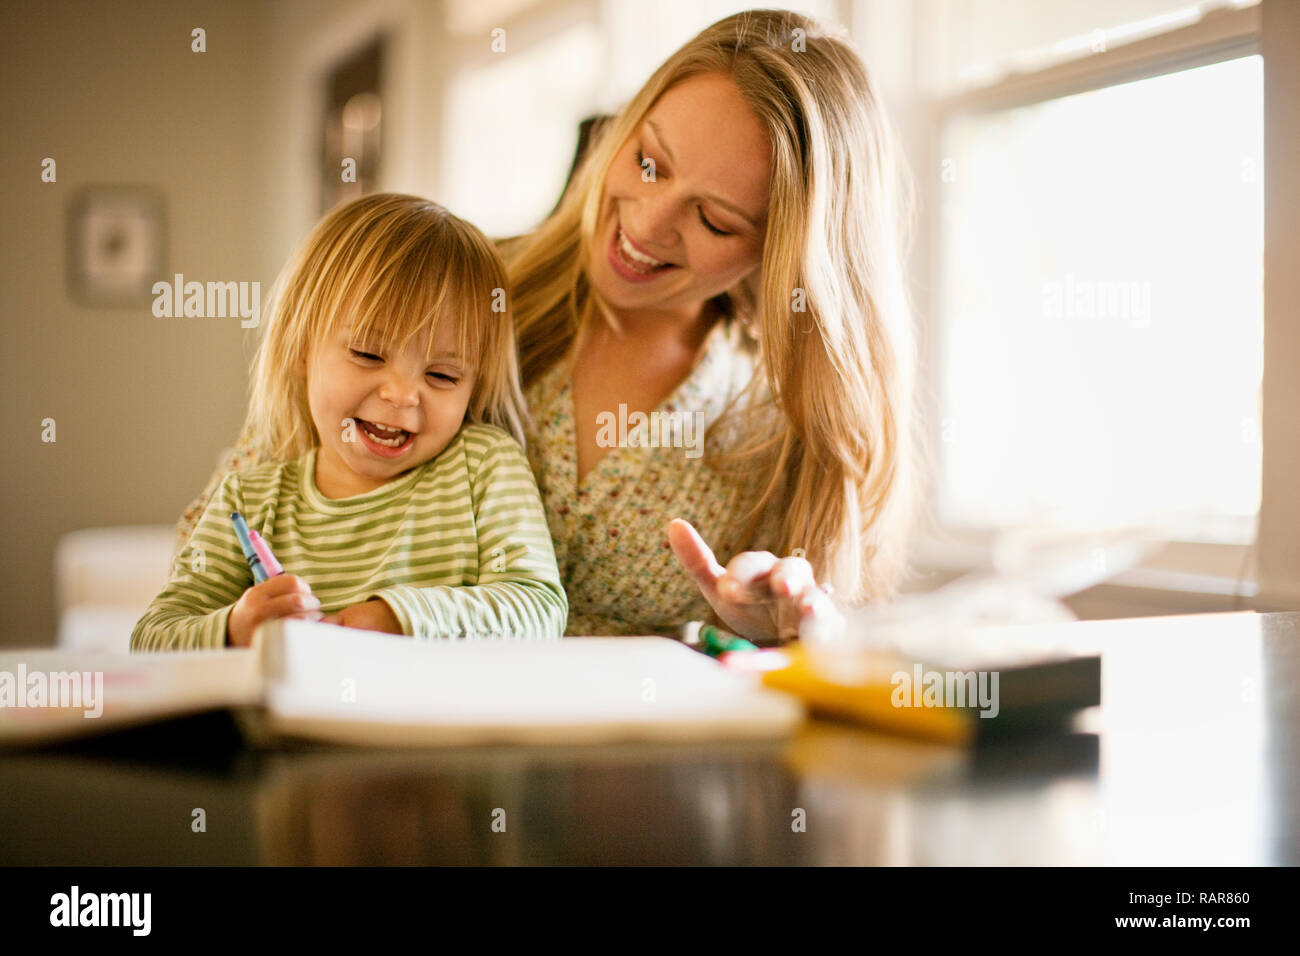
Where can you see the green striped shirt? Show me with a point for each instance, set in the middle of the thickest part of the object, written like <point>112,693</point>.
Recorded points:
<point>457,547</point>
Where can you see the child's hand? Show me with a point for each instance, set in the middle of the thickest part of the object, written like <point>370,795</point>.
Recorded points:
<point>373,615</point>
<point>285,595</point>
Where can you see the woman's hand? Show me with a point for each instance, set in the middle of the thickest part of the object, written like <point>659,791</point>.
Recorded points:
<point>373,615</point>
<point>758,595</point>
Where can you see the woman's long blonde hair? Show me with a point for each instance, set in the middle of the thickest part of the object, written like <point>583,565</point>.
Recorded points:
<point>840,470</point>
<point>387,267</point>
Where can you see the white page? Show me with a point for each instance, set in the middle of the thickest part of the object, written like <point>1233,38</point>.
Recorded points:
<point>341,684</point>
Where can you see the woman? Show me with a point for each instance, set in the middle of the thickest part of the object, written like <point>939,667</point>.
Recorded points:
<point>713,325</point>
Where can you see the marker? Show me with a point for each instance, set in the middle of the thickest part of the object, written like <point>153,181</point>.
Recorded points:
<point>246,543</point>
<point>715,642</point>
<point>263,550</point>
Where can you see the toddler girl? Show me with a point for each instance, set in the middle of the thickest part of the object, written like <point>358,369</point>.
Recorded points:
<point>385,392</point>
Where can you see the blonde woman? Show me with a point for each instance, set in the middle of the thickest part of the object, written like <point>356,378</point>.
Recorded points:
<point>715,343</point>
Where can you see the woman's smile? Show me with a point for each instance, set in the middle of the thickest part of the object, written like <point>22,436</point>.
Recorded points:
<point>631,260</point>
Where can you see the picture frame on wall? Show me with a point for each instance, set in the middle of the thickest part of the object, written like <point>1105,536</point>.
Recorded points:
<point>116,244</point>
<point>352,124</point>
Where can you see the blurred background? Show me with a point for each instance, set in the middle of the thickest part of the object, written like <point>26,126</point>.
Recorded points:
<point>1104,267</point>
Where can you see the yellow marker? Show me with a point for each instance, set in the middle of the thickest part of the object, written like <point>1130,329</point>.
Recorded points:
<point>869,701</point>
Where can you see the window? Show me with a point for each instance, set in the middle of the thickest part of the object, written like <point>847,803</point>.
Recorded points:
<point>511,124</point>
<point>1100,308</point>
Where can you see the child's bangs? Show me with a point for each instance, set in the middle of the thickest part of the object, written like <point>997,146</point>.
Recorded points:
<point>408,294</point>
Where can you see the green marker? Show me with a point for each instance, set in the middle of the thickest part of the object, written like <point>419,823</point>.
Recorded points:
<point>715,642</point>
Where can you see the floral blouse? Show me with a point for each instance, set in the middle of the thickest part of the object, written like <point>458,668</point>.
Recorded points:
<point>610,529</point>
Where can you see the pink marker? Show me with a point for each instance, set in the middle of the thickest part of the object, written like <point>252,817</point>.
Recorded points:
<point>263,550</point>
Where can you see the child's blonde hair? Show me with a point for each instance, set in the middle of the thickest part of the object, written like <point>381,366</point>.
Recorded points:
<point>387,267</point>
<point>841,470</point>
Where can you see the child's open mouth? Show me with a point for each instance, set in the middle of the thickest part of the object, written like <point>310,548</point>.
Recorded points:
<point>384,440</point>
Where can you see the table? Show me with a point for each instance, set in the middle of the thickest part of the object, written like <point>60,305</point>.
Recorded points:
<point>1193,758</point>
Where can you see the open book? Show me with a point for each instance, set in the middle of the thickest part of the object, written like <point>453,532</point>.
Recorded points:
<point>321,682</point>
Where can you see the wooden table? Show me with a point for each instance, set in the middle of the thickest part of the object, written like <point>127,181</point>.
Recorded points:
<point>1194,758</point>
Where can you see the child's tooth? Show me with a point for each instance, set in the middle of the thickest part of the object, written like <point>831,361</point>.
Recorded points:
<point>375,431</point>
